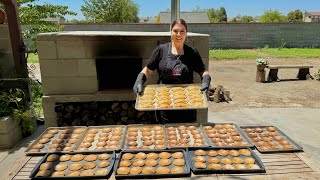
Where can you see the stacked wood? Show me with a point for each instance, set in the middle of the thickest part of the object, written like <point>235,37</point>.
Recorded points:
<point>219,94</point>
<point>101,113</point>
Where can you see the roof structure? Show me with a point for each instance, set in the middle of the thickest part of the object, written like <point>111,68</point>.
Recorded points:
<point>313,13</point>
<point>189,17</point>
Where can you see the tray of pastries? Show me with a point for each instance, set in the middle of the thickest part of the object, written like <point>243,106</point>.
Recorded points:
<point>74,165</point>
<point>216,160</point>
<point>56,139</point>
<point>270,139</point>
<point>171,97</point>
<point>152,164</point>
<point>139,136</point>
<point>182,135</point>
<point>226,135</point>
<point>97,138</point>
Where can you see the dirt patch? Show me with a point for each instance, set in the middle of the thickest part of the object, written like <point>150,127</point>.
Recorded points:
<point>238,76</point>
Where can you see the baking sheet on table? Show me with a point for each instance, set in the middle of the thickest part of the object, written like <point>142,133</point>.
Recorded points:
<point>139,141</point>
<point>205,99</point>
<point>197,125</point>
<point>45,149</point>
<point>99,128</point>
<point>236,128</point>
<point>186,167</point>
<point>112,160</point>
<point>296,146</point>
<point>191,155</point>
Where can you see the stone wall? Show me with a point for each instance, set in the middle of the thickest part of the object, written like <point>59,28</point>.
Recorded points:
<point>7,69</point>
<point>231,35</point>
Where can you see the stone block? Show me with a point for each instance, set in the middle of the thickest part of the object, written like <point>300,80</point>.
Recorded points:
<point>50,116</point>
<point>69,85</point>
<point>47,50</point>
<point>59,68</point>
<point>70,49</point>
<point>202,45</point>
<point>202,115</point>
<point>87,67</point>
<point>10,132</point>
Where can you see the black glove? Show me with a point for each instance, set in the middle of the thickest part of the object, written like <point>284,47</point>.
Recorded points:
<point>205,83</point>
<point>141,78</point>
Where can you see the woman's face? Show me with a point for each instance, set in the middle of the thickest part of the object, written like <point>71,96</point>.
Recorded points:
<point>178,34</point>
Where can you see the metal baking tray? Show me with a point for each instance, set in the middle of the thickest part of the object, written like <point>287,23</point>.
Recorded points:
<point>197,125</point>
<point>296,146</point>
<point>99,128</point>
<point>112,159</point>
<point>204,95</point>
<point>191,155</point>
<point>139,141</point>
<point>45,150</point>
<point>186,167</point>
<point>236,128</point>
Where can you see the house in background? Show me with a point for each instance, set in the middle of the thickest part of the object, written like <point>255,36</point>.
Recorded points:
<point>189,17</point>
<point>311,17</point>
<point>57,20</point>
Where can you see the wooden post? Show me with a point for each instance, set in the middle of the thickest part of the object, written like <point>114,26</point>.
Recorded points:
<point>261,73</point>
<point>302,74</point>
<point>273,75</point>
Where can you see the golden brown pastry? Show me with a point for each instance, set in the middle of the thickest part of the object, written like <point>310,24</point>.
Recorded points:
<point>245,152</point>
<point>53,131</point>
<point>61,167</point>
<point>152,156</point>
<point>88,139</point>
<point>135,170</point>
<point>148,170</point>
<point>165,162</point>
<point>93,131</point>
<point>125,163</point>
<point>237,160</point>
<point>75,166</point>
<point>57,174</point>
<point>177,155</point>
<point>177,170</point>
<point>44,140</point>
<point>240,166</point>
<point>164,155</point>
<point>88,172</point>
<point>212,153</point>
<point>77,157</point>
<point>67,149</point>
<point>138,162</point>
<point>271,129</point>
<point>45,166</point>
<point>101,172</point>
<point>200,165</point>
<point>78,131</point>
<point>73,173</point>
<point>253,166</point>
<point>103,163</point>
<point>157,128</point>
<point>163,170</point>
<point>214,166</point>
<point>213,160</point>
<point>123,170</point>
<point>91,157</point>
<point>287,146</point>
<point>48,136</point>
<point>234,153</point>
<point>228,167</point>
<point>223,152</point>
<point>200,152</point>
<point>249,160</point>
<point>200,159</point>
<point>225,161</point>
<point>52,157</point>
<point>104,156</point>
<point>44,173</point>
<point>64,136</point>
<point>127,156</point>
<point>92,135</point>
<point>65,157</point>
<point>151,162</point>
<point>106,130</point>
<point>141,155</point>
<point>179,162</point>
<point>89,165</point>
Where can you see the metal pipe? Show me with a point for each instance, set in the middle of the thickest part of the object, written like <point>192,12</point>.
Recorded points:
<point>175,10</point>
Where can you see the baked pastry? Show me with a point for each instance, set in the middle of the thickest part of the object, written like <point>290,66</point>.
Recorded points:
<point>67,149</point>
<point>153,156</point>
<point>104,156</point>
<point>240,166</point>
<point>163,170</point>
<point>131,138</point>
<point>103,163</point>
<point>61,167</point>
<point>48,135</point>
<point>213,160</point>
<point>100,148</point>
<point>215,140</point>
<point>73,173</point>
<point>148,143</point>
<point>214,166</point>
<point>115,138</point>
<point>225,161</point>
<point>45,166</point>
<point>249,160</point>
<point>57,174</point>
<point>287,146</point>
<point>228,167</point>
<point>106,130</point>
<point>135,170</point>
<point>253,166</point>
<point>212,153</point>
<point>43,173</point>
<point>64,136</point>
<point>52,157</point>
<point>200,165</point>
<point>88,172</point>
<point>223,152</point>
<point>92,135</point>
<point>85,145</point>
<point>165,162</point>
<point>200,152</point>
<point>77,157</point>
<point>177,155</point>
<point>151,162</point>
<point>271,129</point>
<point>38,146</point>
<point>139,162</point>
<point>277,138</point>
<point>127,156</point>
<point>177,170</point>
<point>200,159</point>
<point>123,170</point>
<point>53,131</point>
<point>164,155</point>
<point>93,131</point>
<point>89,165</point>
<point>88,139</point>
<point>179,162</point>
<point>65,157</point>
<point>132,129</point>
<point>103,135</point>
<point>91,157</point>
<point>157,128</point>
<point>148,170</point>
<point>101,172</point>
<point>75,166</point>
<point>125,163</point>
<point>101,144</point>
<point>245,152</point>
<point>78,131</point>
<point>236,138</point>
<point>234,153</point>
<point>237,160</point>
<point>44,140</point>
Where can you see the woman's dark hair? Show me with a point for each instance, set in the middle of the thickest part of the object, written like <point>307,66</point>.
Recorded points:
<point>179,21</point>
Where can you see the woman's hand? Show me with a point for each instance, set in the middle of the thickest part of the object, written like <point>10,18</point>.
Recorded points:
<point>141,78</point>
<point>205,83</point>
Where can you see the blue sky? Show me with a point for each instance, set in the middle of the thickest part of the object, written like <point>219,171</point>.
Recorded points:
<point>233,7</point>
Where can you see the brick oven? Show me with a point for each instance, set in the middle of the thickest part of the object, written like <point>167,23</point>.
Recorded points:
<point>94,71</point>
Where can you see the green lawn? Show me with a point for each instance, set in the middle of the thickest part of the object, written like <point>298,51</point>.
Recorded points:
<point>292,52</point>
<point>33,58</point>
<point>234,54</point>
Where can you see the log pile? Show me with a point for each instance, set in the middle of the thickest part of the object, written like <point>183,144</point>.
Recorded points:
<point>101,113</point>
<point>219,94</point>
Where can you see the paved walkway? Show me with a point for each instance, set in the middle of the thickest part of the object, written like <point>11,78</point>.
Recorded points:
<point>301,124</point>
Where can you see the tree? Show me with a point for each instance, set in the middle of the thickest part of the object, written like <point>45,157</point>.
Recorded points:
<point>217,15</point>
<point>110,11</point>
<point>246,19</point>
<point>295,16</point>
<point>222,15</point>
<point>272,17</point>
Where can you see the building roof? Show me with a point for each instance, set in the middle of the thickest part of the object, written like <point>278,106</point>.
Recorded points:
<point>54,19</point>
<point>189,17</point>
<point>313,13</point>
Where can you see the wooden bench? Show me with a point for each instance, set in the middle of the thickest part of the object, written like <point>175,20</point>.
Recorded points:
<point>303,73</point>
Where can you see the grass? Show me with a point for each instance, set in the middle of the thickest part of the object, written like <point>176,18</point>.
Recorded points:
<point>33,58</point>
<point>233,54</point>
<point>292,52</point>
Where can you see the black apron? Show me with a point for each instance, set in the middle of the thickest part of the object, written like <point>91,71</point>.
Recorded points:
<point>175,72</point>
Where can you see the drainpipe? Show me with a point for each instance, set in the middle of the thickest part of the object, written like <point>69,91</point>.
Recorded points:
<point>175,10</point>
<point>18,47</point>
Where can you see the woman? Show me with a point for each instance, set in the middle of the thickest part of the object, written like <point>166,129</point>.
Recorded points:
<point>175,63</point>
